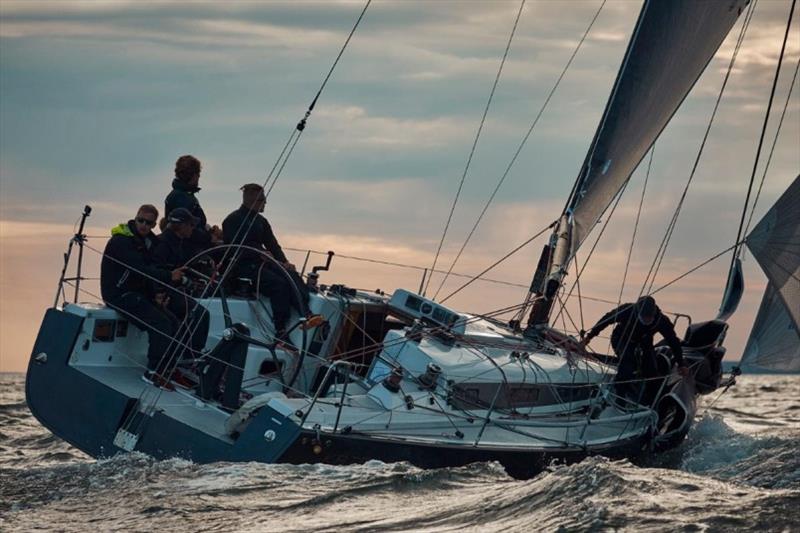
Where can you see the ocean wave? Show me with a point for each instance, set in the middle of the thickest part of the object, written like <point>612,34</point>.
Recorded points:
<point>714,448</point>
<point>138,492</point>
<point>719,478</point>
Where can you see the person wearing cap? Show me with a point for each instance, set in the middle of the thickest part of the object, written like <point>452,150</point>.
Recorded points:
<point>174,250</point>
<point>175,246</point>
<point>632,341</point>
<point>184,188</point>
<point>130,280</point>
<point>248,227</point>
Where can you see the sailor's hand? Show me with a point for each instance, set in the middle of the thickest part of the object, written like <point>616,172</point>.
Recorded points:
<point>177,274</point>
<point>161,299</point>
<point>197,286</point>
<point>683,370</point>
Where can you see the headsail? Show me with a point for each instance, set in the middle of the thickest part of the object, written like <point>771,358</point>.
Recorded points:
<point>774,343</point>
<point>775,243</point>
<point>672,44</point>
<point>734,290</point>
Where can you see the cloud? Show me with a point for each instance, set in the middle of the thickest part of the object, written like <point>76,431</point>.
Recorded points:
<point>11,229</point>
<point>353,126</point>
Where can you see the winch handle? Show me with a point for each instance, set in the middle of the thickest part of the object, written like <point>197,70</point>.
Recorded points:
<point>327,263</point>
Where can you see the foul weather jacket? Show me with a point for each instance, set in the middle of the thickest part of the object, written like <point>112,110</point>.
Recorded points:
<point>172,252</point>
<point>249,228</point>
<point>128,265</point>
<point>183,195</point>
<point>630,332</point>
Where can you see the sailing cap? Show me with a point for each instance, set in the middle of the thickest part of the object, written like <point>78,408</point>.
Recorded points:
<point>181,215</point>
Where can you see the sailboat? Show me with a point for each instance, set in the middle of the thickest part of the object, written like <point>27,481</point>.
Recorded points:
<point>402,377</point>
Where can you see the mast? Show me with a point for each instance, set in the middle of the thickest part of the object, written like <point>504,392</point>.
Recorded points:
<point>671,46</point>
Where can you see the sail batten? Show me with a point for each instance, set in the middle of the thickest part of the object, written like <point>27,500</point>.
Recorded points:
<point>670,48</point>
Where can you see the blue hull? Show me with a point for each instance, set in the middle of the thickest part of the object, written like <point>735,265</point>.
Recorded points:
<point>87,414</point>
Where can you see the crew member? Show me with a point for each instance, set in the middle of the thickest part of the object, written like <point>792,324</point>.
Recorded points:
<point>184,188</point>
<point>174,250</point>
<point>632,341</point>
<point>129,281</point>
<point>246,226</point>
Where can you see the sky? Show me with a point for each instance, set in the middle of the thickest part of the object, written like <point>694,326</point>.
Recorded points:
<point>98,98</point>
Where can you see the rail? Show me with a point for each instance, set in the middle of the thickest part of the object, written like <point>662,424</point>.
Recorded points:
<point>314,398</point>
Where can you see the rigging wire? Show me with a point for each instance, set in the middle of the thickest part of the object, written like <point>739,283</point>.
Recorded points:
<point>340,256</point>
<point>701,265</point>
<point>291,142</point>
<point>636,224</point>
<point>335,62</point>
<point>662,249</point>
<point>519,149</point>
<point>763,132</point>
<point>591,251</point>
<point>474,145</point>
<point>490,267</point>
<point>405,265</point>
<point>772,149</point>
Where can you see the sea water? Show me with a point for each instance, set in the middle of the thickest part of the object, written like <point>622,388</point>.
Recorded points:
<point>738,469</point>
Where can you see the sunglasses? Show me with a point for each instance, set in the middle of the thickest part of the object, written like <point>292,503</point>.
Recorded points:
<point>140,220</point>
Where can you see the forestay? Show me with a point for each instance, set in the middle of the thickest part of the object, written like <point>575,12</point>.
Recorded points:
<point>671,46</point>
<point>774,342</point>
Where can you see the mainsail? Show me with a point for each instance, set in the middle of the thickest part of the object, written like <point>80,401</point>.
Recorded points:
<point>672,44</point>
<point>774,342</point>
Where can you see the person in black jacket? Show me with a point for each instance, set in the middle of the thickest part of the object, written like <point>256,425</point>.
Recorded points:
<point>632,341</point>
<point>174,250</point>
<point>130,283</point>
<point>184,188</point>
<point>246,226</point>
